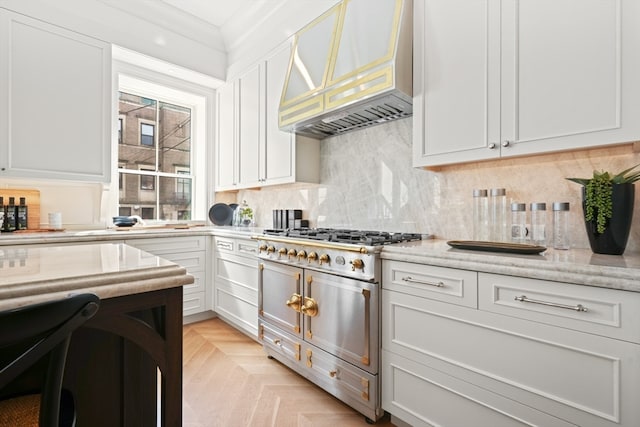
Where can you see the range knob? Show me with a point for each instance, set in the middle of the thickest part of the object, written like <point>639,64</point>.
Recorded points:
<point>301,255</point>
<point>324,259</point>
<point>291,252</point>
<point>282,252</point>
<point>357,264</point>
<point>312,256</point>
<point>262,248</point>
<point>271,249</point>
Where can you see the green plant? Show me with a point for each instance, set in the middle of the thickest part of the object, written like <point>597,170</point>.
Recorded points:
<point>598,204</point>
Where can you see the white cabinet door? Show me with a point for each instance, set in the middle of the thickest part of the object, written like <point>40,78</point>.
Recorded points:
<point>226,155</point>
<point>499,79</point>
<point>456,81</point>
<point>251,130</point>
<point>55,102</point>
<point>569,74</point>
<point>261,154</point>
<point>279,149</point>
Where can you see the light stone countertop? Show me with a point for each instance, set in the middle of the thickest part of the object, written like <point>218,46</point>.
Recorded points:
<point>124,233</point>
<point>579,266</point>
<point>31,274</point>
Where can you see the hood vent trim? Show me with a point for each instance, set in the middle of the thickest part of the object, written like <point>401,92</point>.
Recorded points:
<point>372,94</point>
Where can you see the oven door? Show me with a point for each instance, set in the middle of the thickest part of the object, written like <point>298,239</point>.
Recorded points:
<point>280,296</point>
<point>341,317</point>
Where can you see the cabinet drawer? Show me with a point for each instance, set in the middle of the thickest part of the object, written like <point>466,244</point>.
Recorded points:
<point>280,342</point>
<point>197,285</point>
<point>585,379</point>
<point>349,383</point>
<point>237,309</point>
<point>422,396</point>
<point>242,247</point>
<point>167,245</point>
<point>193,303</point>
<point>192,261</point>
<point>247,247</point>
<point>607,312</point>
<point>238,270</point>
<point>438,283</point>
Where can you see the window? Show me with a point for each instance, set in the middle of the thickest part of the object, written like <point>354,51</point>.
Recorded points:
<point>120,126</point>
<point>158,158</point>
<point>147,133</point>
<point>167,179</point>
<point>146,213</point>
<point>147,182</point>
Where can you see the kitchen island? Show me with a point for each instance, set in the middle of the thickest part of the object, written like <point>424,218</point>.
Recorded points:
<point>113,361</point>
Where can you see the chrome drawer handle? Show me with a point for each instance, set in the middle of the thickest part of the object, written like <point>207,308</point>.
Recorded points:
<point>578,307</point>
<point>423,282</point>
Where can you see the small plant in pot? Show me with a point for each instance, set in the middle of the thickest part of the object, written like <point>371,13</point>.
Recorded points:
<point>607,202</point>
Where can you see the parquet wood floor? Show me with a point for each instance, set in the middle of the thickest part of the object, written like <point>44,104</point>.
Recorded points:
<point>229,382</point>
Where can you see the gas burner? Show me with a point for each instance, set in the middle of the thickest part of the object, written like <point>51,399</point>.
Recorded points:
<point>361,237</point>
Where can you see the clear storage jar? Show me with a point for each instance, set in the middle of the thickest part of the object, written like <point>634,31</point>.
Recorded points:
<point>561,225</point>
<point>498,215</point>
<point>519,223</point>
<point>480,215</point>
<point>538,232</point>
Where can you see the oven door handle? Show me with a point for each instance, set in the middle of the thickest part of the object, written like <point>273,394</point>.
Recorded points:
<point>294,302</point>
<point>309,307</point>
<point>366,293</point>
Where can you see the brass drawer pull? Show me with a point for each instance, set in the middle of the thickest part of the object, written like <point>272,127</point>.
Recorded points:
<point>410,279</point>
<point>578,307</point>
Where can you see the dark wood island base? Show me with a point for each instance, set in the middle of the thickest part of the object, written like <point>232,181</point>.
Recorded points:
<point>113,362</point>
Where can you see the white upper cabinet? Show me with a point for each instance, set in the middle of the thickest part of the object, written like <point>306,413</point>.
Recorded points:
<point>55,102</point>
<point>226,152</point>
<point>497,79</point>
<point>252,150</point>
<point>240,132</point>
<point>251,126</point>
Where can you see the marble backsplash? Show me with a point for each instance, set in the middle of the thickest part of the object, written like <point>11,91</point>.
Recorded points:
<point>367,182</point>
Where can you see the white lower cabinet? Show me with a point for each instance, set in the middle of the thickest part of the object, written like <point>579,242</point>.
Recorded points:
<point>235,297</point>
<point>190,253</point>
<point>538,361</point>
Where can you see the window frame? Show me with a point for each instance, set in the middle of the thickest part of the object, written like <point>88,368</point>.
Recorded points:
<point>200,99</point>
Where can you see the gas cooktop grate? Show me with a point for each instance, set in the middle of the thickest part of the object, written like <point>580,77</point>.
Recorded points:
<point>360,237</point>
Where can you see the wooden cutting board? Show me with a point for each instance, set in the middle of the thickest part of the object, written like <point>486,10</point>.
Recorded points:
<point>32,199</point>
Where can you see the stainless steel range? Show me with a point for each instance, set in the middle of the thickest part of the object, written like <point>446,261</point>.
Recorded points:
<point>319,308</point>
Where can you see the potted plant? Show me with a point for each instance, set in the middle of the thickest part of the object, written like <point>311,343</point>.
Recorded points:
<point>607,203</point>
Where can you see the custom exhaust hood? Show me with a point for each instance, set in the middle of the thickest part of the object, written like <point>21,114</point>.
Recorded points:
<point>349,69</point>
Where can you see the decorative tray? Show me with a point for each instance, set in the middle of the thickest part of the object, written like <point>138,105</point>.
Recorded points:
<point>514,248</point>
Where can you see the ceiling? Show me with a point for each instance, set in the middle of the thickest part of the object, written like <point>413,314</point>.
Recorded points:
<point>220,24</point>
<point>215,12</point>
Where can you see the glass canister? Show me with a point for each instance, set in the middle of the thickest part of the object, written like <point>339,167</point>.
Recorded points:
<point>480,215</point>
<point>538,224</point>
<point>519,223</point>
<point>498,215</point>
<point>561,225</point>
<point>246,215</point>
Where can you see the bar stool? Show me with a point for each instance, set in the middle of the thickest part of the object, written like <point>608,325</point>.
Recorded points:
<point>28,335</point>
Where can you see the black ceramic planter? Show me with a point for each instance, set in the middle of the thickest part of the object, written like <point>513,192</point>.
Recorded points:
<point>614,239</point>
